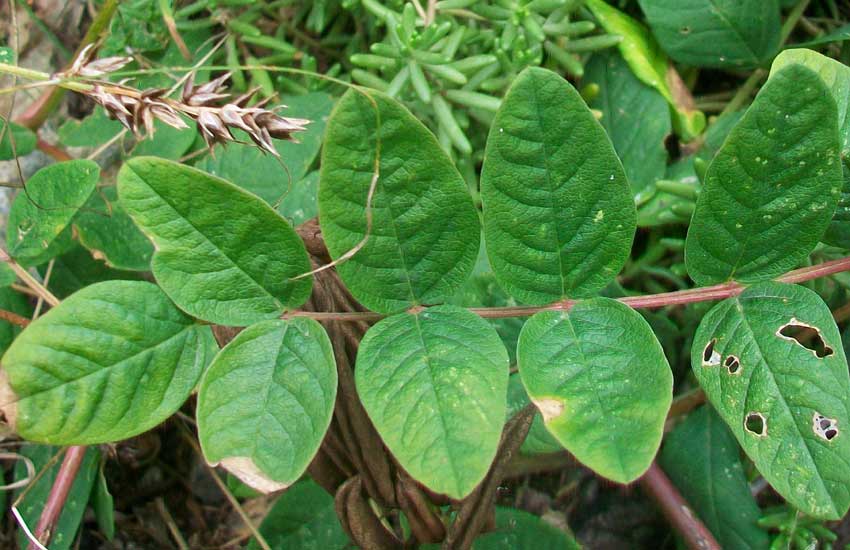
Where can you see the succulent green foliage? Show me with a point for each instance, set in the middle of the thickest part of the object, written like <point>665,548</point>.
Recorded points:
<point>558,215</point>
<point>247,166</point>
<point>772,188</point>
<point>716,33</point>
<point>42,212</point>
<point>701,456</point>
<point>222,254</point>
<point>33,502</point>
<point>108,232</point>
<point>599,377</point>
<point>23,138</point>
<point>424,233</point>
<point>109,362</point>
<point>771,363</point>
<point>637,119</point>
<point>266,401</point>
<point>434,384</point>
<point>303,518</point>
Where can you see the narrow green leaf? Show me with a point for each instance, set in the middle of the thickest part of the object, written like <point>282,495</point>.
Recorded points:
<point>841,34</point>
<point>599,377</point>
<point>435,385</point>
<point>24,139</point>
<point>221,254</point>
<point>303,518</point>
<point>425,231</point>
<point>558,214</point>
<point>108,232</point>
<point>772,188</point>
<point>253,170</point>
<point>738,34</point>
<point>702,459</point>
<point>771,363</point>
<point>109,362</point>
<point>41,213</point>
<point>266,401</point>
<point>104,505</point>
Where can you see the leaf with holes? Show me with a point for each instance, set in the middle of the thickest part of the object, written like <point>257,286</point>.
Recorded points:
<point>222,254</point>
<point>424,232</point>
<point>435,385</point>
<point>23,138</point>
<point>558,214</point>
<point>772,188</point>
<point>702,459</point>
<point>771,362</point>
<point>109,362</point>
<point>39,216</point>
<point>266,401</point>
<point>599,377</point>
<point>109,233</point>
<point>716,33</point>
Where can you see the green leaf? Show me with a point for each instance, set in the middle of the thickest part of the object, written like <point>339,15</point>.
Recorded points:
<point>7,55</point>
<point>434,384</point>
<point>266,401</point>
<point>96,129</point>
<point>13,301</point>
<point>739,34</point>
<point>108,232</point>
<point>262,174</point>
<point>518,529</point>
<point>636,118</point>
<point>772,188</point>
<point>841,34</point>
<point>222,254</point>
<point>104,506</point>
<point>109,362</point>
<point>425,232</point>
<point>24,139</point>
<point>558,214</point>
<point>538,440</point>
<point>32,504</point>
<point>167,142</point>
<point>303,518</point>
<point>838,232</point>
<point>42,212</point>
<point>301,203</point>
<point>600,378</point>
<point>76,269</point>
<point>7,275</point>
<point>771,363</point>
<point>702,459</point>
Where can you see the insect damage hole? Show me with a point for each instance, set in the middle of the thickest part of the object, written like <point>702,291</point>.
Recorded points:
<point>825,428</point>
<point>807,336</point>
<point>710,357</point>
<point>733,365</point>
<point>756,424</point>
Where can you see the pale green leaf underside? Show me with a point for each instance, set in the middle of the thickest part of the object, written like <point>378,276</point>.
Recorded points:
<point>788,385</point>
<point>601,380</point>
<point>435,386</point>
<point>40,215</point>
<point>111,361</point>
<point>702,458</point>
<point>425,232</point>
<point>268,398</point>
<point>558,214</point>
<point>772,188</point>
<point>715,33</point>
<point>222,254</point>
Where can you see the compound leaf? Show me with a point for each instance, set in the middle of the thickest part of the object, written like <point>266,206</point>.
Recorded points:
<point>424,234</point>
<point>266,401</point>
<point>109,362</point>
<point>40,215</point>
<point>599,377</point>
<point>222,254</point>
<point>772,188</point>
<point>716,33</point>
<point>771,363</point>
<point>558,214</point>
<point>435,385</point>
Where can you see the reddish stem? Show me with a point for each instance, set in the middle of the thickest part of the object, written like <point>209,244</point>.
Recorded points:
<point>57,153</point>
<point>14,318</point>
<point>675,508</point>
<point>58,495</point>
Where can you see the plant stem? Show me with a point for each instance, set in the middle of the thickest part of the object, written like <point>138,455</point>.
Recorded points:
<point>58,495</point>
<point>29,280</point>
<point>793,18</point>
<point>14,318</point>
<point>649,301</point>
<point>675,508</point>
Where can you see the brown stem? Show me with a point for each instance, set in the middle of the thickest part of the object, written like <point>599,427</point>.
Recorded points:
<point>57,153</point>
<point>675,508</point>
<point>58,495</point>
<point>14,318</point>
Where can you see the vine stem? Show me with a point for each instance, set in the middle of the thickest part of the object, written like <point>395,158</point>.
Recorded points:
<point>58,495</point>
<point>649,301</point>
